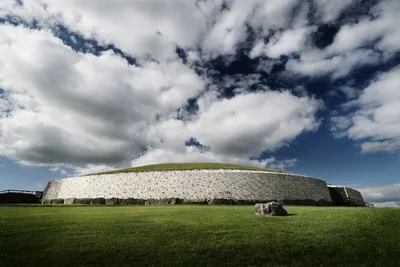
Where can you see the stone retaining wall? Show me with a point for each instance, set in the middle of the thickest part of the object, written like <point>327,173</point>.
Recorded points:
<point>205,186</point>
<point>345,196</point>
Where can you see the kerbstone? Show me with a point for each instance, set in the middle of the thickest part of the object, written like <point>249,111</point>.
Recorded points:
<point>132,201</point>
<point>69,201</point>
<point>57,201</point>
<point>112,201</point>
<point>97,201</point>
<point>83,201</point>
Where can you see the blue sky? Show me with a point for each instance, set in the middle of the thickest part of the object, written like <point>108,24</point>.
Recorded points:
<point>312,87</point>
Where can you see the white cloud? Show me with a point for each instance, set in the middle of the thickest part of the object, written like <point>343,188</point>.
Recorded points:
<point>240,127</point>
<point>229,30</point>
<point>194,154</point>
<point>140,28</point>
<point>381,146</point>
<point>388,204</point>
<point>385,195</point>
<point>272,15</point>
<point>95,112</point>
<point>382,29</point>
<point>89,168</point>
<point>350,92</point>
<point>69,107</point>
<point>328,10</point>
<point>338,124</point>
<point>282,43</point>
<point>372,40</point>
<point>288,42</point>
<point>251,123</point>
<point>318,63</point>
<point>157,26</point>
<point>376,120</point>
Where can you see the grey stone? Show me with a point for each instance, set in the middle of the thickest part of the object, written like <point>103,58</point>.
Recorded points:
<point>152,201</point>
<point>132,201</point>
<point>164,201</point>
<point>170,201</point>
<point>176,201</point>
<point>97,201</point>
<point>195,201</point>
<point>83,201</point>
<point>271,209</point>
<point>46,201</point>
<point>221,201</point>
<point>112,201</point>
<point>69,201</point>
<point>57,201</point>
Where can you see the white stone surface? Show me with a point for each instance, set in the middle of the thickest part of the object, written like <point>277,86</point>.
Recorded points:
<point>191,184</point>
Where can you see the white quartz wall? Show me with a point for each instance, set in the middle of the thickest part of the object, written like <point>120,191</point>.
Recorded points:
<point>193,184</point>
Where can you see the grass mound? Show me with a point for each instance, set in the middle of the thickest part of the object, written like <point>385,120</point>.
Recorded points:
<point>197,236</point>
<point>186,166</point>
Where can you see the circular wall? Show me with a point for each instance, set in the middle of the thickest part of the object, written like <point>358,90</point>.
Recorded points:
<point>193,186</point>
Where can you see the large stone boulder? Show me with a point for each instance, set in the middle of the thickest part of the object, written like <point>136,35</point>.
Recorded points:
<point>271,209</point>
<point>170,201</point>
<point>112,201</point>
<point>69,201</point>
<point>175,200</point>
<point>57,201</point>
<point>152,201</point>
<point>97,201</point>
<point>132,201</point>
<point>82,201</point>
<point>46,201</point>
<point>195,201</point>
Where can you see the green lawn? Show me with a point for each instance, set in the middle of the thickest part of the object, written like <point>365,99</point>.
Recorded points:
<point>197,236</point>
<point>187,166</point>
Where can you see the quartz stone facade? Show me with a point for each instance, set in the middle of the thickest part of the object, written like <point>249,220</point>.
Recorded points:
<point>238,185</point>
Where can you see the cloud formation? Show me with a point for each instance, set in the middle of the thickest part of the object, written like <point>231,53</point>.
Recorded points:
<point>382,196</point>
<point>97,85</point>
<point>376,119</point>
<point>81,109</point>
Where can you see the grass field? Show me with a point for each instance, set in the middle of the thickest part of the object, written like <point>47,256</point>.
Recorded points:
<point>187,166</point>
<point>197,236</point>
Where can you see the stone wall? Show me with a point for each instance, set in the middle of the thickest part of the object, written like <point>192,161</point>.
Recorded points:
<point>355,196</point>
<point>193,185</point>
<point>338,195</point>
<point>345,196</point>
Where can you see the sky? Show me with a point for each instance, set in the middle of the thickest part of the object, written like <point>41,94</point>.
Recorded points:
<point>311,87</point>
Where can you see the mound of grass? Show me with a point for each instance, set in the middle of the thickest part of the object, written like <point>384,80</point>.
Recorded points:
<point>186,166</point>
<point>197,236</point>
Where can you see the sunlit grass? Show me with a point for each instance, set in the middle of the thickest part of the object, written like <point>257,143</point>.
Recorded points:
<point>197,236</point>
